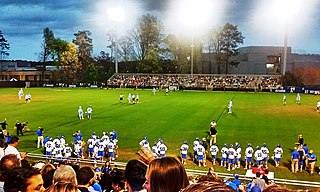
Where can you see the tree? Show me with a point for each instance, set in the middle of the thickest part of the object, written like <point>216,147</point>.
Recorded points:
<point>70,64</point>
<point>58,46</point>
<point>147,38</point>
<point>48,38</point>
<point>214,47</point>
<point>85,49</point>
<point>4,46</point>
<point>231,37</point>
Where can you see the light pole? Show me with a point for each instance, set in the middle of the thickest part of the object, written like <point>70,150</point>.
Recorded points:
<point>116,14</point>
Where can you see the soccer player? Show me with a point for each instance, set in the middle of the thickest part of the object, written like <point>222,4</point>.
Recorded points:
<point>80,113</point>
<point>238,155</point>
<point>101,150</point>
<point>27,97</point>
<point>224,155</point>
<point>121,97</point>
<point>294,160</point>
<point>133,96</point>
<point>311,161</point>
<point>258,156</point>
<point>184,151</point>
<point>62,141</point>
<point>145,143</point>
<point>278,154</point>
<point>284,99</point>
<point>214,150</point>
<point>248,156</point>
<point>111,147</point>
<point>298,98</point>
<point>265,155</point>
<point>200,154</point>
<point>231,158</point>
<point>89,112</point>
<point>230,107</point>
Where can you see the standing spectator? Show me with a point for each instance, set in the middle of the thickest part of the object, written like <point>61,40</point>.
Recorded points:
<point>12,148</point>
<point>311,161</point>
<point>40,137</point>
<point>213,132</point>
<point>89,112</point>
<point>85,178</point>
<point>236,180</point>
<point>135,175</point>
<point>165,174</point>
<point>80,113</point>
<point>19,128</point>
<point>24,180</point>
<point>294,160</point>
<point>8,137</point>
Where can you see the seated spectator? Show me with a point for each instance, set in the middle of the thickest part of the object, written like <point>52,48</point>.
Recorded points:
<point>165,174</point>
<point>236,180</point>
<point>118,180</point>
<point>65,173</point>
<point>24,180</point>
<point>208,186</point>
<point>135,175</point>
<point>62,187</point>
<point>85,177</point>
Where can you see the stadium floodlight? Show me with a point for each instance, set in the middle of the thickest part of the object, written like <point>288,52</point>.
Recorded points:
<point>286,10</point>
<point>116,14</point>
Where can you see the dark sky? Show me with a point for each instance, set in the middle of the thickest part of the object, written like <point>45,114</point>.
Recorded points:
<point>23,21</point>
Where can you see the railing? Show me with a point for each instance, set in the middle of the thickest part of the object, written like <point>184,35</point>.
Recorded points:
<point>191,172</point>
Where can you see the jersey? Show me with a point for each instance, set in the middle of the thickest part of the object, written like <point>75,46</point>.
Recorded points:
<point>162,149</point>
<point>278,152</point>
<point>258,155</point>
<point>110,147</point>
<point>56,142</point>
<point>265,152</point>
<point>200,150</point>
<point>232,153</point>
<point>49,146</point>
<point>224,152</point>
<point>238,153</point>
<point>67,152</point>
<point>249,152</point>
<point>214,150</point>
<point>184,149</point>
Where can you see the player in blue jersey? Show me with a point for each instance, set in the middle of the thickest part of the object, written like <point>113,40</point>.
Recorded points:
<point>184,151</point>
<point>311,161</point>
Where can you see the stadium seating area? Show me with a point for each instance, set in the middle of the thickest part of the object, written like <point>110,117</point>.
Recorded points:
<point>202,82</point>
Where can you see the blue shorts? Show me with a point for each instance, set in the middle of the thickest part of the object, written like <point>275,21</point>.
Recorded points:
<point>249,159</point>
<point>162,155</point>
<point>200,157</point>
<point>300,162</point>
<point>223,159</point>
<point>48,153</point>
<point>184,156</point>
<point>80,151</point>
<point>195,153</point>
<point>277,159</point>
<point>90,150</point>
<point>265,159</point>
<point>110,154</point>
<point>231,161</point>
<point>214,156</point>
<point>238,159</point>
<point>100,153</point>
<point>258,162</point>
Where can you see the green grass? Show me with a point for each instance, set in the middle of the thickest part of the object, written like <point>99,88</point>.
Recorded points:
<point>182,115</point>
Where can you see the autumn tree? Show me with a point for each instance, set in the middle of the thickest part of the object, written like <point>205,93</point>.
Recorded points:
<point>4,46</point>
<point>83,41</point>
<point>148,37</point>
<point>70,65</point>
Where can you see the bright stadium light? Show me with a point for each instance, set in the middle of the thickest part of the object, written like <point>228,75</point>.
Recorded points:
<point>116,14</point>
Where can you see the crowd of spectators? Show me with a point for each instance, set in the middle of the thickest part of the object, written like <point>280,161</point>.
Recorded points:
<point>205,82</point>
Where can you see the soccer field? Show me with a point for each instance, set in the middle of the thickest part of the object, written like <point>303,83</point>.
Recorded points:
<point>257,118</point>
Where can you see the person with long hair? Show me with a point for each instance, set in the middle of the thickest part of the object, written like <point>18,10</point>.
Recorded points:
<point>165,174</point>
<point>62,187</point>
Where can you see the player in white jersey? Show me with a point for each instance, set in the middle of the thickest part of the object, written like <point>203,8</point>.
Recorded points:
<point>144,143</point>
<point>154,150</point>
<point>231,158</point>
<point>27,97</point>
<point>224,155</point>
<point>200,154</point>
<point>265,155</point>
<point>56,141</point>
<point>101,150</point>
<point>162,149</point>
<point>129,98</point>
<point>214,151</point>
<point>284,99</point>
<point>95,150</point>
<point>318,106</point>
<point>230,107</point>
<point>62,141</point>
<point>277,154</point>
<point>184,151</point>
<point>57,152</point>
<point>298,99</point>
<point>91,143</point>
<point>238,155</point>
<point>80,113</point>
<point>137,98</point>
<point>78,148</point>
<point>121,97</point>
<point>49,147</point>
<point>89,112</point>
<point>67,151</point>
<point>258,156</point>
<point>111,147</point>
<point>167,91</point>
<point>195,145</point>
<point>20,93</point>
<point>154,91</point>
<point>248,155</point>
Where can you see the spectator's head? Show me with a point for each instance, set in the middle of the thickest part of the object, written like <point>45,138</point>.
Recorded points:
<point>135,175</point>
<point>117,180</point>
<point>14,141</point>
<point>62,187</point>
<point>85,176</point>
<point>7,163</point>
<point>46,168</point>
<point>277,188</point>
<point>165,174</point>
<point>258,174</point>
<point>48,178</point>
<point>24,180</point>
<point>65,173</point>
<point>208,186</point>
